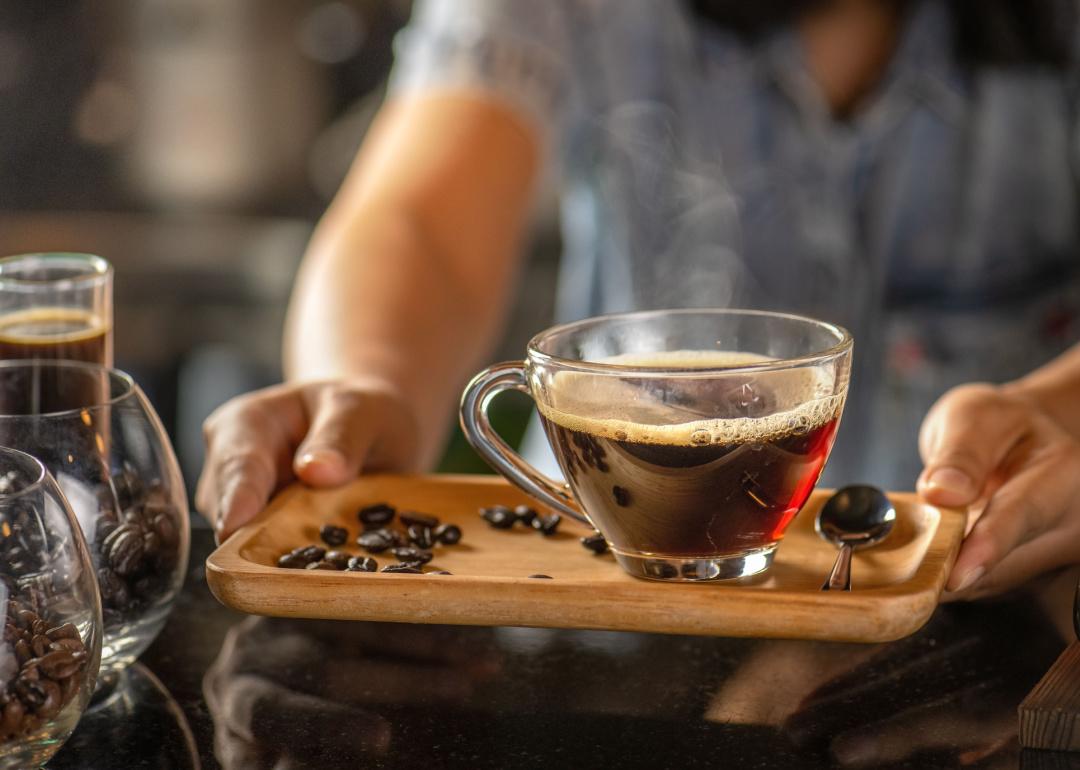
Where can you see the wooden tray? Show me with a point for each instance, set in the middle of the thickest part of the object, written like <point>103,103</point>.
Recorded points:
<point>895,585</point>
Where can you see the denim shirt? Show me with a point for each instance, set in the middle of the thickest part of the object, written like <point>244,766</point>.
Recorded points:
<point>939,224</point>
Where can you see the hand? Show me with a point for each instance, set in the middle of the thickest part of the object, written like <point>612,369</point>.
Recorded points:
<point>322,433</point>
<point>991,449</point>
<point>285,693</point>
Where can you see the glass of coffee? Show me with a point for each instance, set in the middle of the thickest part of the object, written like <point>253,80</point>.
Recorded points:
<point>688,438</point>
<point>56,306</point>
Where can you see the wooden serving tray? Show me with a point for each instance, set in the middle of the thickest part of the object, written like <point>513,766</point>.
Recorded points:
<point>896,585</point>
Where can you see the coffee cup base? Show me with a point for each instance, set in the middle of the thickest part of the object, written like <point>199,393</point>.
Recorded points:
<point>698,569</point>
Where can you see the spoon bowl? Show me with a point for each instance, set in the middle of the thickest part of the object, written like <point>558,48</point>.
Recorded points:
<point>855,517</point>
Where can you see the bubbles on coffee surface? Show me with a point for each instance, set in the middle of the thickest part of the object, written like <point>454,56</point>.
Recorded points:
<point>730,408</point>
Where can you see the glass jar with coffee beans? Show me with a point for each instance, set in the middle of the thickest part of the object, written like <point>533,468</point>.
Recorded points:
<point>52,627</point>
<point>94,430</point>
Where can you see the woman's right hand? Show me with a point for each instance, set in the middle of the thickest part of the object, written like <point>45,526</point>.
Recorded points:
<point>322,433</point>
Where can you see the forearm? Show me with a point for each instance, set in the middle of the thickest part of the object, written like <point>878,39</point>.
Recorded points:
<point>375,302</point>
<point>408,275</point>
<point>1055,389</point>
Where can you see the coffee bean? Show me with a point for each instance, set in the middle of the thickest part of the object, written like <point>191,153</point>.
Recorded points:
<point>126,551</point>
<point>292,561</point>
<point>376,515</point>
<point>333,536</point>
<point>311,553</point>
<point>621,496</point>
<point>442,572</point>
<point>114,590</point>
<point>499,517</point>
<point>595,543</point>
<point>321,565</point>
<point>416,519</point>
<point>542,577</point>
<point>660,569</point>
<point>66,631</point>
<point>53,699</point>
<point>362,564</point>
<point>376,540</point>
<point>448,534</point>
<point>525,515</point>
<point>339,559</point>
<point>403,568</point>
<point>60,664</point>
<point>547,525</point>
<point>39,645</point>
<point>421,537</point>
<point>412,554</point>
<point>23,652</point>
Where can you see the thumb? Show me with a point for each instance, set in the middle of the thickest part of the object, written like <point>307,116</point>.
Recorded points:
<point>338,441</point>
<point>964,438</point>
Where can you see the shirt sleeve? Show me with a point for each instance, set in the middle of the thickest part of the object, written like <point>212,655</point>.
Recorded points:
<point>515,51</point>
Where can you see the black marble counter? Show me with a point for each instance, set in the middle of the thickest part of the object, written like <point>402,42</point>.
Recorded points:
<point>218,689</point>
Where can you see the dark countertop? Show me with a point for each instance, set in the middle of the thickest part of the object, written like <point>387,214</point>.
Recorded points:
<point>219,689</point>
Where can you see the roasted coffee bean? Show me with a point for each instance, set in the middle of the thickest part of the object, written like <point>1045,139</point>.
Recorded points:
<point>376,540</point>
<point>499,517</point>
<point>311,553</point>
<point>23,652</point>
<point>25,618</point>
<point>71,645</point>
<point>321,565</point>
<point>417,519</point>
<point>333,536</point>
<point>547,525</point>
<point>421,537</point>
<point>448,534</point>
<point>165,528</point>
<point>30,691</point>
<point>362,564</point>
<point>339,559</point>
<point>620,495</point>
<point>542,577</point>
<point>442,572</point>
<point>412,554</point>
<point>11,724</point>
<point>525,515</point>
<point>39,645</point>
<point>595,543</point>
<point>61,664</point>
<point>660,569</point>
<point>376,515</point>
<point>404,568</point>
<point>292,561</point>
<point>114,590</point>
<point>125,552</point>
<point>66,631</point>
<point>53,700</point>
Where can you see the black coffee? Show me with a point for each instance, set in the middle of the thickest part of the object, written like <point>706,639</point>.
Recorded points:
<point>702,488</point>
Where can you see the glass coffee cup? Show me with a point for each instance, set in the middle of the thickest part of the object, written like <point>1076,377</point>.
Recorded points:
<point>689,438</point>
<point>56,306</point>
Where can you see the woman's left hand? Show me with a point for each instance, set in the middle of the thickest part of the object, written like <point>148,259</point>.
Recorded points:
<point>995,451</point>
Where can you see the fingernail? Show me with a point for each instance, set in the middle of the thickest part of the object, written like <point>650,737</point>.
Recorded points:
<point>970,578</point>
<point>321,457</point>
<point>951,480</point>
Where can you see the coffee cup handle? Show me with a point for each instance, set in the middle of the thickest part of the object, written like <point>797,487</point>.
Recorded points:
<point>499,455</point>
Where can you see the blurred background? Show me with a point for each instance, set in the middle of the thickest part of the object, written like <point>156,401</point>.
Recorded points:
<point>194,144</point>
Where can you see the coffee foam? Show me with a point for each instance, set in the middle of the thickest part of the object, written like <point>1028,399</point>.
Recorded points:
<point>810,388</point>
<point>49,324</point>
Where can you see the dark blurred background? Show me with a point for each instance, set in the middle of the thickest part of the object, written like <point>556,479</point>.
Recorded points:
<point>194,143</point>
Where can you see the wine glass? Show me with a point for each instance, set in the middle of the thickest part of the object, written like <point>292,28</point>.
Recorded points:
<point>97,434</point>
<point>51,644</point>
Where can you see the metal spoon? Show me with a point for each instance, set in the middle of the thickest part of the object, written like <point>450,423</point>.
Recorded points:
<point>855,517</point>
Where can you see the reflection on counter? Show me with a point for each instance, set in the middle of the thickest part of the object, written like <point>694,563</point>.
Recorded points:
<point>139,725</point>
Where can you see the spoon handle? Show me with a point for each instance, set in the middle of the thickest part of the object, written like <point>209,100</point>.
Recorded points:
<point>840,577</point>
